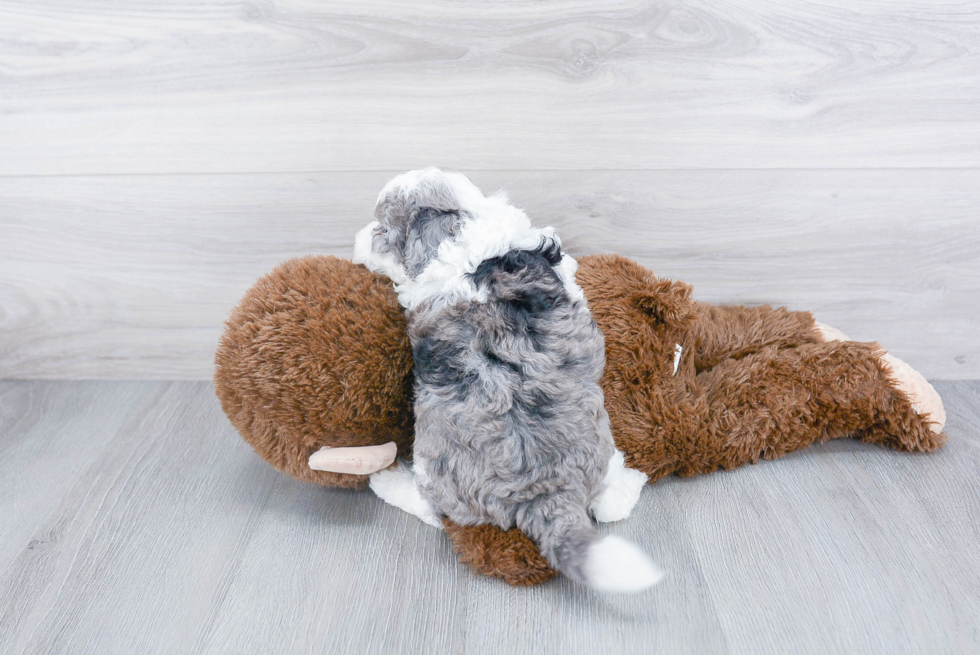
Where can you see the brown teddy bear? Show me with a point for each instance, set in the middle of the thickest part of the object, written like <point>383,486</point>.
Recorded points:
<point>315,369</point>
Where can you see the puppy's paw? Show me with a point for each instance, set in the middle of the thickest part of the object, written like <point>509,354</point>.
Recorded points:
<point>621,491</point>
<point>396,486</point>
<point>923,396</point>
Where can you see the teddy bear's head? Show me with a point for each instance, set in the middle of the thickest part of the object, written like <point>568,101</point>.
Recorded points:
<point>316,355</point>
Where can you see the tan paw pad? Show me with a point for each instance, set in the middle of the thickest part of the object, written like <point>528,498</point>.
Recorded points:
<point>923,396</point>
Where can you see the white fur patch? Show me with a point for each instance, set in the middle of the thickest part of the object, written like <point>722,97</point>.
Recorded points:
<point>491,227</point>
<point>621,490</point>
<point>613,564</point>
<point>383,263</point>
<point>566,271</point>
<point>421,477</point>
<point>396,486</point>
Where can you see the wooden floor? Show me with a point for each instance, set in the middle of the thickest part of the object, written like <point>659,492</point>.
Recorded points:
<point>134,520</point>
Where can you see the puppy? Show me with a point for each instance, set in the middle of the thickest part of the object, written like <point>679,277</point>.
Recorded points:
<point>510,425</point>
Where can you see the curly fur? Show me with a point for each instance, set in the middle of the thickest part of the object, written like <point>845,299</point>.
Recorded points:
<point>510,424</point>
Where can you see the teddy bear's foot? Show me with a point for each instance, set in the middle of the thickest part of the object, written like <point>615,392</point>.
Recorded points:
<point>830,333</point>
<point>923,396</point>
<point>920,429</point>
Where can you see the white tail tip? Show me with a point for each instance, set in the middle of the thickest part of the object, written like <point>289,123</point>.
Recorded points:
<point>613,564</point>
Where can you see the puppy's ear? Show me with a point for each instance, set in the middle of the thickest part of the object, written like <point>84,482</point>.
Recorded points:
<point>427,228</point>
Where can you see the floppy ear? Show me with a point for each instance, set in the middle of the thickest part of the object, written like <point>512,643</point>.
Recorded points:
<point>665,301</point>
<point>427,228</point>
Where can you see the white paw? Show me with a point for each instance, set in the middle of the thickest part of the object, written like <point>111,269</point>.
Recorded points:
<point>831,333</point>
<point>921,394</point>
<point>396,486</point>
<point>621,490</point>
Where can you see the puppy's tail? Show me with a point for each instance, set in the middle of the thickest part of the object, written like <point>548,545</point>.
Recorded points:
<point>571,544</point>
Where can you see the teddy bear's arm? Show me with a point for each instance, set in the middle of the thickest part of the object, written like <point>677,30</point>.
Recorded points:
<point>733,332</point>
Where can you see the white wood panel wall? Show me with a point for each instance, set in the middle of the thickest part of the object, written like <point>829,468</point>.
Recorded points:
<point>157,158</point>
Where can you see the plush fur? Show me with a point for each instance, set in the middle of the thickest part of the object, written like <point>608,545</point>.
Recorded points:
<point>317,354</point>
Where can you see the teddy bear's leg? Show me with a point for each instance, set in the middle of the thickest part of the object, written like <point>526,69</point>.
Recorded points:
<point>505,554</point>
<point>923,396</point>
<point>722,332</point>
<point>776,401</point>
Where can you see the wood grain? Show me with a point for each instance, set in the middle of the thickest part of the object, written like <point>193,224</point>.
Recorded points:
<point>93,87</point>
<point>146,534</point>
<point>165,533</point>
<point>48,436</point>
<point>131,277</point>
<point>861,540</point>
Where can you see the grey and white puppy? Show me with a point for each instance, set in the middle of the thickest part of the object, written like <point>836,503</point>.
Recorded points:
<point>510,425</point>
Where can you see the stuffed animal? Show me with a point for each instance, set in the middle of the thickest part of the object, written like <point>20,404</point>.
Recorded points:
<point>314,370</point>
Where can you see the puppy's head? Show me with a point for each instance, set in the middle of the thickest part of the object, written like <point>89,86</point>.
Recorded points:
<point>416,212</point>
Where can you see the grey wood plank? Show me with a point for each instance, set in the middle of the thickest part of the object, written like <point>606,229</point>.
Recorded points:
<point>132,276</point>
<point>874,548</point>
<point>132,558</point>
<point>177,538</point>
<point>159,548</point>
<point>358,578</point>
<point>48,432</point>
<point>213,86</point>
<point>364,577</point>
